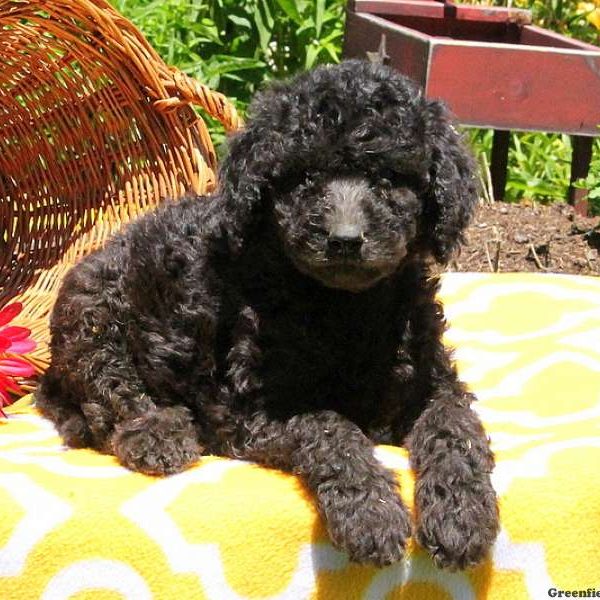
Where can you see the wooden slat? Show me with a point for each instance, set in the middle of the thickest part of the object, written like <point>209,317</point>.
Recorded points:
<point>510,87</point>
<point>437,10</point>
<point>408,49</point>
<point>537,36</point>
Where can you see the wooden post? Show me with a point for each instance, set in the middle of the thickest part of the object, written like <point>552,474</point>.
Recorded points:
<point>499,162</point>
<point>580,166</point>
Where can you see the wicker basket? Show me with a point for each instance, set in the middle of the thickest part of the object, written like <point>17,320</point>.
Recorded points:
<point>94,130</point>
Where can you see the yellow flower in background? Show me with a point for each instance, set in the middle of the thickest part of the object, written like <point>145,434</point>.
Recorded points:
<point>592,12</point>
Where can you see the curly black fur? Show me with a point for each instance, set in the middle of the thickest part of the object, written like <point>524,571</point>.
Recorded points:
<point>292,320</point>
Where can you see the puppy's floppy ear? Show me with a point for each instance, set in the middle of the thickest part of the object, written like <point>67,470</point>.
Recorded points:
<point>453,192</point>
<point>242,182</point>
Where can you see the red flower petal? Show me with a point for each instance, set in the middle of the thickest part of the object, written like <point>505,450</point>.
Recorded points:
<point>15,333</point>
<point>9,312</point>
<point>22,347</point>
<point>4,401</point>
<point>16,339</point>
<point>8,384</point>
<point>16,366</point>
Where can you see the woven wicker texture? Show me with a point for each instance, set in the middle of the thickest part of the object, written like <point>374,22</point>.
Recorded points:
<point>94,129</point>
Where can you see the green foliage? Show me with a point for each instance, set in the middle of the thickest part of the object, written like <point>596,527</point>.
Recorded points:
<point>539,166</point>
<point>235,46</point>
<point>564,17</point>
<point>592,183</point>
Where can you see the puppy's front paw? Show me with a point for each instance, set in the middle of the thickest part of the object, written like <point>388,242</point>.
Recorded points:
<point>370,528</point>
<point>160,442</point>
<point>457,523</point>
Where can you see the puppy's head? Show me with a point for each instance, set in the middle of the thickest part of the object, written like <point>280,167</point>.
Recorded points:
<point>355,170</point>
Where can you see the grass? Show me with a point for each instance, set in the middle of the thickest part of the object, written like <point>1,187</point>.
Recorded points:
<point>236,46</point>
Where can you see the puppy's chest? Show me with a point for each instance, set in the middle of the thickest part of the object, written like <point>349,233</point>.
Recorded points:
<point>321,356</point>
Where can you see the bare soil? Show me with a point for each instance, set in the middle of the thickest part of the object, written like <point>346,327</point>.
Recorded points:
<point>524,237</point>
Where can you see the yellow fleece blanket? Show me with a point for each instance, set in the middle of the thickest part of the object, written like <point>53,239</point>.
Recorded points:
<point>74,524</point>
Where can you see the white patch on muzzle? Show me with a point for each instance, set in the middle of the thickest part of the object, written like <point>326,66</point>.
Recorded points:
<point>346,217</point>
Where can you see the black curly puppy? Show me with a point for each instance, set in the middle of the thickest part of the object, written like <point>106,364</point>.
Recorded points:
<point>292,320</point>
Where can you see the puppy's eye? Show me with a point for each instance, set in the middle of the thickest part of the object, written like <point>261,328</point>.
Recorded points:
<point>289,182</point>
<point>389,177</point>
<point>418,183</point>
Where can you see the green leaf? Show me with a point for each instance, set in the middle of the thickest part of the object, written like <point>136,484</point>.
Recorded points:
<point>319,12</point>
<point>231,64</point>
<point>311,56</point>
<point>268,16</point>
<point>302,5</point>
<point>308,25</point>
<point>334,35</point>
<point>333,52</point>
<point>291,10</point>
<point>240,21</point>
<point>264,35</point>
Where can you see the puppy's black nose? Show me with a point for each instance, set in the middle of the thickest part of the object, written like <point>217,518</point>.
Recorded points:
<point>347,244</point>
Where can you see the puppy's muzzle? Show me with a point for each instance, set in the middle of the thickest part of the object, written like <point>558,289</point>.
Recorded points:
<point>345,242</point>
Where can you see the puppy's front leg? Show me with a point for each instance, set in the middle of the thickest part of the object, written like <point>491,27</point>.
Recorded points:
<point>457,514</point>
<point>356,495</point>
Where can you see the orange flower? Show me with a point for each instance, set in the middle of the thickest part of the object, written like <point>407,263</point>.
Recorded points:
<point>14,340</point>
